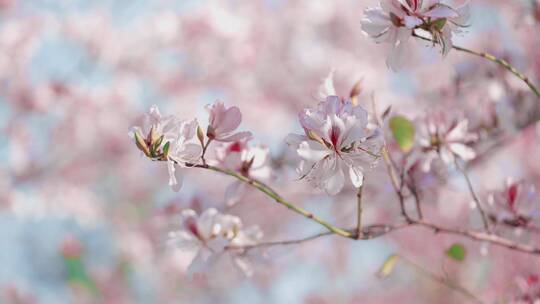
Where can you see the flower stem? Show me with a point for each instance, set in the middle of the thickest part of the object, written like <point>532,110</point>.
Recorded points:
<point>474,196</point>
<point>359,231</point>
<point>205,147</point>
<point>492,58</point>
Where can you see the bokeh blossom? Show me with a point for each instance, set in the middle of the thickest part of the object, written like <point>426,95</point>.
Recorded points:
<point>337,144</point>
<point>445,137</point>
<point>209,235</point>
<point>516,205</point>
<point>528,290</point>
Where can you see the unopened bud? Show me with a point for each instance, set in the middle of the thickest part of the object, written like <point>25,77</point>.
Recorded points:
<point>71,248</point>
<point>152,135</point>
<point>141,144</point>
<point>200,135</point>
<point>355,91</point>
<point>158,142</point>
<point>210,132</point>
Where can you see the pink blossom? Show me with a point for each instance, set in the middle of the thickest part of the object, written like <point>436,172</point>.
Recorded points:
<point>516,205</point>
<point>528,290</point>
<point>250,160</point>
<point>207,236</point>
<point>155,132</point>
<point>395,21</point>
<point>223,122</point>
<point>336,143</point>
<point>184,149</point>
<point>445,137</point>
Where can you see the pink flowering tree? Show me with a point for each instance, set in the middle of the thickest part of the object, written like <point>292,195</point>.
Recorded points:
<point>276,152</point>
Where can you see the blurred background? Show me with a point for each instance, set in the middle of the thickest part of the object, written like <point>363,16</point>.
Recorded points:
<point>84,217</point>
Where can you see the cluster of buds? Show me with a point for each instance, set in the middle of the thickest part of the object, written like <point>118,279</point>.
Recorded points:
<point>151,145</point>
<point>170,139</point>
<point>155,136</point>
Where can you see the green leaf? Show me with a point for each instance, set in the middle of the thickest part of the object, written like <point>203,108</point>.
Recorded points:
<point>456,252</point>
<point>77,274</point>
<point>403,131</point>
<point>439,24</point>
<point>388,266</point>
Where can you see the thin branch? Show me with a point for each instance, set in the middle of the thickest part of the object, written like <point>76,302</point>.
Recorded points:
<point>282,243</point>
<point>273,194</point>
<point>414,192</point>
<point>391,169</point>
<point>491,58</point>
<point>482,236</point>
<point>483,214</point>
<point>205,147</point>
<point>368,233</point>
<point>443,280</point>
<point>374,231</point>
<point>398,186</point>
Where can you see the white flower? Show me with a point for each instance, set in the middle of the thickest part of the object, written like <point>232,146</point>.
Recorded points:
<point>223,122</point>
<point>445,138</point>
<point>248,160</point>
<point>155,132</point>
<point>208,237</point>
<point>184,149</point>
<point>336,143</point>
<point>394,22</point>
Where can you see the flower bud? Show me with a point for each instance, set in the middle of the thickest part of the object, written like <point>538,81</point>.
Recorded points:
<point>156,145</point>
<point>355,91</point>
<point>200,135</point>
<point>141,144</point>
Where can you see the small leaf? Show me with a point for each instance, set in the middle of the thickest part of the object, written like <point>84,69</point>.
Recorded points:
<point>403,131</point>
<point>456,252</point>
<point>77,274</point>
<point>388,266</point>
<point>439,24</point>
<point>166,150</point>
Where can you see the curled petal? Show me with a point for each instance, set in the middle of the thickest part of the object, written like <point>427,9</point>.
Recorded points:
<point>175,178</point>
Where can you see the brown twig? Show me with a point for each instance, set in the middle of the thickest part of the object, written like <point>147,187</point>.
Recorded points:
<point>494,59</point>
<point>359,212</point>
<point>483,214</point>
<point>374,231</point>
